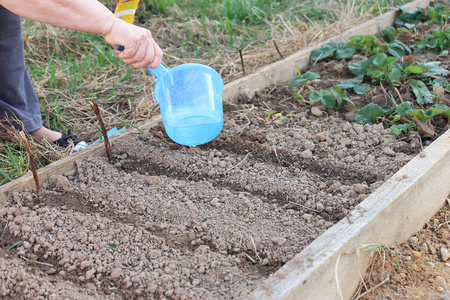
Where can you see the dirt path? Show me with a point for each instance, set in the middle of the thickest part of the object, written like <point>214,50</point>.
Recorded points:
<point>423,268</point>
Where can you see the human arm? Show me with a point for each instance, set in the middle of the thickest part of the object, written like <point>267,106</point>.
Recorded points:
<point>141,50</point>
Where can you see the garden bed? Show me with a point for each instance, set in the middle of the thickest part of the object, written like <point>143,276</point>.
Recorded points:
<point>227,219</point>
<point>211,221</point>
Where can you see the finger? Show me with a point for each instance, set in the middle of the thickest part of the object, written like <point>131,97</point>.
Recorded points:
<point>148,57</point>
<point>158,54</point>
<point>128,53</point>
<point>140,55</point>
<point>131,48</point>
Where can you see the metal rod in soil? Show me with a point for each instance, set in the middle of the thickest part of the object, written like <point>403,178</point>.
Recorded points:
<point>31,155</point>
<point>102,126</point>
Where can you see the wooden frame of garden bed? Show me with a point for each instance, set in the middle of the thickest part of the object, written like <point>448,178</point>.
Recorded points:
<point>332,266</point>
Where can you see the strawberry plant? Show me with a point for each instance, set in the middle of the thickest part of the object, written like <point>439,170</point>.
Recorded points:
<point>369,44</point>
<point>340,50</point>
<point>384,69</point>
<point>308,76</point>
<point>390,66</point>
<point>401,118</point>
<point>438,14</point>
<point>436,41</point>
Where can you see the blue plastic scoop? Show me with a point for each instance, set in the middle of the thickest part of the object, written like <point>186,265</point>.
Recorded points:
<point>190,100</point>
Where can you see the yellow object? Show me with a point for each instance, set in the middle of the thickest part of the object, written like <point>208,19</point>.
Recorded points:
<point>126,9</point>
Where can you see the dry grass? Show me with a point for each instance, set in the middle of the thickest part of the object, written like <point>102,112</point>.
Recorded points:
<point>14,160</point>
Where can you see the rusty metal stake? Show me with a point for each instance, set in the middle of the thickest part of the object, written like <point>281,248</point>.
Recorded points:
<point>102,126</point>
<point>242,61</point>
<point>31,155</point>
<point>278,50</point>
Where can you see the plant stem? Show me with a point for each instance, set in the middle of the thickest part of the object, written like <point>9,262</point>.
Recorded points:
<point>102,126</point>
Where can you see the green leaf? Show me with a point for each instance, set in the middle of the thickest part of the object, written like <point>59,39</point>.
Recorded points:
<point>394,75</point>
<point>409,18</point>
<point>388,61</point>
<point>112,246</point>
<point>361,89</point>
<point>445,109</point>
<point>396,50</point>
<point>396,118</point>
<point>339,49</point>
<point>407,49</point>
<point>434,68</point>
<point>315,96</point>
<point>420,113</point>
<point>355,84</point>
<point>344,51</point>
<point>404,108</point>
<point>388,34</point>
<point>14,245</point>
<point>270,112</point>
<point>325,97</point>
<point>380,75</point>
<point>399,129</point>
<point>425,116</point>
<point>308,76</point>
<point>359,68</point>
<point>323,52</point>
<point>379,59</point>
<point>414,70</point>
<point>341,97</point>
<point>423,95</point>
<point>369,113</point>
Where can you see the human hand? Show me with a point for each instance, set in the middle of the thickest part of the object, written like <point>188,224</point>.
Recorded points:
<point>140,49</point>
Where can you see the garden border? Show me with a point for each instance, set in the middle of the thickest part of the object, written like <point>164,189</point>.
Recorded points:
<point>388,216</point>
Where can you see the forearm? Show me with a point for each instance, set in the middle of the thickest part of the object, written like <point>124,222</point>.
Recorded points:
<point>82,15</point>
<point>141,50</point>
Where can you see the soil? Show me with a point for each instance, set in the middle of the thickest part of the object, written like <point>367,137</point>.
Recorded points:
<point>164,221</point>
<point>423,269</point>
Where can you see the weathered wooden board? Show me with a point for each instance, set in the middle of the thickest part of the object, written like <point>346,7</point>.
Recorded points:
<point>390,215</point>
<point>284,70</point>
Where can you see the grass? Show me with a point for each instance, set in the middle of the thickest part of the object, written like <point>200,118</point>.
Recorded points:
<point>69,69</point>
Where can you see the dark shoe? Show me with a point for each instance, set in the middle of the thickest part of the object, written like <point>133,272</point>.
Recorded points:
<point>63,141</point>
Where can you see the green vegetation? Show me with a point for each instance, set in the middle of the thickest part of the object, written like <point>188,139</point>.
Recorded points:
<point>384,247</point>
<point>438,14</point>
<point>14,245</point>
<point>390,67</point>
<point>272,115</point>
<point>437,41</point>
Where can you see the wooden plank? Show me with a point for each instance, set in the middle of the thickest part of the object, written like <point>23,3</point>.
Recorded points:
<point>389,216</point>
<point>63,165</point>
<point>284,70</point>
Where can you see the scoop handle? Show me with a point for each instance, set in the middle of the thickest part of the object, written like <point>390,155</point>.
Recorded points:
<point>159,71</point>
